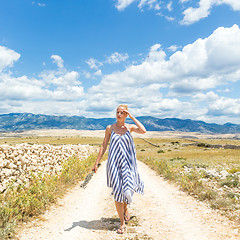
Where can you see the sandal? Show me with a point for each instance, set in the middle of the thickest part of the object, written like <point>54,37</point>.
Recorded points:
<point>121,230</point>
<point>127,217</point>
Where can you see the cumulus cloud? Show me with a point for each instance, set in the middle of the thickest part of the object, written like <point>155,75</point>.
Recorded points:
<point>27,94</point>
<point>7,57</point>
<point>58,60</point>
<point>192,15</point>
<point>64,85</point>
<point>20,88</point>
<point>162,86</point>
<point>225,107</point>
<point>160,82</point>
<point>219,105</point>
<point>148,99</point>
<point>199,66</point>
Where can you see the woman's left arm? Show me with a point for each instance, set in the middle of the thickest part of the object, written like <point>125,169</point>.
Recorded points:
<point>138,128</point>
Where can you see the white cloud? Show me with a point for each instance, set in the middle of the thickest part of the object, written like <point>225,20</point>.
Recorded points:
<point>151,4</point>
<point>183,1</point>
<point>21,88</point>
<point>68,93</point>
<point>98,73</point>
<point>154,86</point>
<point>122,4</point>
<point>209,62</point>
<point>94,63</point>
<point>192,15</point>
<point>170,19</point>
<point>148,99</point>
<point>210,96</point>
<point>169,6</point>
<point>39,4</point>
<point>59,78</point>
<point>193,70</point>
<point>218,108</point>
<point>24,94</point>
<point>88,74</point>
<point>117,58</point>
<point>157,7</point>
<point>224,90</point>
<point>58,60</point>
<point>199,66</point>
<point>233,3</point>
<point>225,107</point>
<point>173,48</point>
<point>191,85</point>
<point>7,57</point>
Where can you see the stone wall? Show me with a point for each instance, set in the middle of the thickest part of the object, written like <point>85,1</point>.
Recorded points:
<point>19,162</point>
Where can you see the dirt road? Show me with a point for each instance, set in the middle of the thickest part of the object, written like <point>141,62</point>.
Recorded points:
<point>163,212</point>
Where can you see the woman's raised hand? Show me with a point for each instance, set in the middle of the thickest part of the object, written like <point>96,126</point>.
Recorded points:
<point>128,113</point>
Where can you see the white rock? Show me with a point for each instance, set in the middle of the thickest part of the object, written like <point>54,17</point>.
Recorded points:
<point>224,174</point>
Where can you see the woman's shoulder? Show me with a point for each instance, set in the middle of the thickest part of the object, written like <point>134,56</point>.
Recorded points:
<point>109,128</point>
<point>130,127</point>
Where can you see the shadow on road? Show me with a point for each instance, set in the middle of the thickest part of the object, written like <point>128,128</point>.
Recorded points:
<point>108,224</point>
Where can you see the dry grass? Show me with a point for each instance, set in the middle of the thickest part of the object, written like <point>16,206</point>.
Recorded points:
<point>186,165</point>
<point>52,140</point>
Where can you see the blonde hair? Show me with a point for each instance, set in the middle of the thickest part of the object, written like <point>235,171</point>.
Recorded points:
<point>123,105</point>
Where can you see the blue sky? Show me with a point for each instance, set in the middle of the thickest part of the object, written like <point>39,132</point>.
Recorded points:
<point>163,58</point>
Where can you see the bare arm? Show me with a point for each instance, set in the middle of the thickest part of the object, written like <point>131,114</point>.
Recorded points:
<point>103,147</point>
<point>138,128</point>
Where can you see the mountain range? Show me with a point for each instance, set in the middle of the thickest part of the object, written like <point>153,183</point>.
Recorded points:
<point>29,121</point>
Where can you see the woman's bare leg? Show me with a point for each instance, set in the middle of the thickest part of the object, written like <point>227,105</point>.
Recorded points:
<point>126,213</point>
<point>120,210</point>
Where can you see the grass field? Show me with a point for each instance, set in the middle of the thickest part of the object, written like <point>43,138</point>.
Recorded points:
<point>211,175</point>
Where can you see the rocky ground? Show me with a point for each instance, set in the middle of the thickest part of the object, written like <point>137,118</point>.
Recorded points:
<point>19,162</point>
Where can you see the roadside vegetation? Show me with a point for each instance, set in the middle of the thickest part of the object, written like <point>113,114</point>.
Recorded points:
<point>210,174</point>
<point>27,201</point>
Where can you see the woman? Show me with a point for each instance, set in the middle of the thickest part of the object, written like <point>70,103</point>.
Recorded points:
<point>122,174</point>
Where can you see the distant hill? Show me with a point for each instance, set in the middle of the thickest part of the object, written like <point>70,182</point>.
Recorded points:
<point>28,121</point>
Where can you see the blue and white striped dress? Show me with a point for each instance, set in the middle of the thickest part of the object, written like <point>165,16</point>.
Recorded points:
<point>122,173</point>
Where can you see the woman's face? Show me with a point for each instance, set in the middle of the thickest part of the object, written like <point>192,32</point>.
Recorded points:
<point>121,114</point>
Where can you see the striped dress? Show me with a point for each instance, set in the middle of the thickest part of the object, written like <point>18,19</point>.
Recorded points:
<point>122,173</point>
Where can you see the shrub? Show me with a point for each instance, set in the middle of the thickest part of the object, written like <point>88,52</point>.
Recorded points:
<point>230,181</point>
